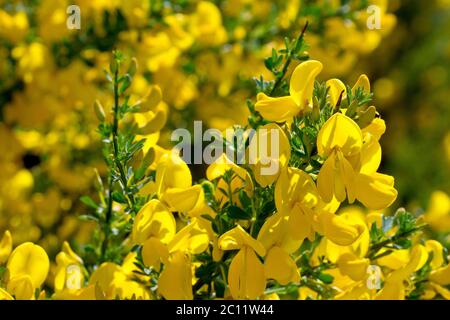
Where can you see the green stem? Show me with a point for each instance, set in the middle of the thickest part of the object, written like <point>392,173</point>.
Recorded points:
<point>106,228</point>
<point>288,60</point>
<point>376,247</point>
<point>123,177</point>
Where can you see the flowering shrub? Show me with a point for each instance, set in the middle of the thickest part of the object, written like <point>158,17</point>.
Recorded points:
<point>317,226</point>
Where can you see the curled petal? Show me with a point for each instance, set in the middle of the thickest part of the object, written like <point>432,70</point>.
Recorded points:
<point>182,199</point>
<point>237,238</point>
<point>302,81</point>
<point>277,109</point>
<point>339,230</point>
<point>375,191</point>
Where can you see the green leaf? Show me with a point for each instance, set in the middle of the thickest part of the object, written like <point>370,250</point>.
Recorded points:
<point>326,278</point>
<point>235,212</point>
<point>119,197</point>
<point>89,202</point>
<point>219,287</point>
<point>125,84</point>
<point>87,217</point>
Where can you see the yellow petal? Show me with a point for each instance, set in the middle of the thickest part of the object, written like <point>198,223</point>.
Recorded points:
<point>277,109</point>
<point>31,260</point>
<point>339,230</point>
<point>241,177</point>
<point>172,172</point>
<point>445,293</point>
<point>153,122</point>
<point>246,275</point>
<point>363,82</point>
<point>301,223</point>
<point>182,200</point>
<point>4,295</point>
<point>106,277</point>
<point>370,156</point>
<point>237,238</point>
<point>438,253</point>
<point>279,265</point>
<point>353,266</point>
<point>295,186</point>
<point>192,238</point>
<point>375,191</point>
<point>153,220</point>
<point>394,260</point>
<point>5,247</point>
<point>302,82</point>
<point>154,252</point>
<point>441,276</point>
<point>153,99</point>
<point>391,291</point>
<point>274,232</point>
<point>339,132</point>
<point>336,89</point>
<point>21,287</point>
<point>174,283</point>
<point>376,128</point>
<point>326,181</point>
<point>269,151</point>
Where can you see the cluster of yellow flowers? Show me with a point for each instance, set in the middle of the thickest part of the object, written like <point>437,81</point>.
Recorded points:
<point>152,232</point>
<point>227,242</point>
<point>200,53</point>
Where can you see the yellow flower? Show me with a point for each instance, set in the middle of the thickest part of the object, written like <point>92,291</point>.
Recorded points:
<point>68,269</point>
<point>438,212</point>
<point>187,200</point>
<point>339,140</point>
<point>241,178</point>
<point>440,274</point>
<point>338,88</point>
<point>266,166</point>
<point>349,170</point>
<point>282,109</point>
<point>296,196</point>
<point>340,229</point>
<point>393,288</point>
<point>279,244</point>
<point>175,281</point>
<point>246,279</point>
<point>113,282</point>
<point>172,172</point>
<point>28,266</point>
<point>206,24</point>
<point>13,27</point>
